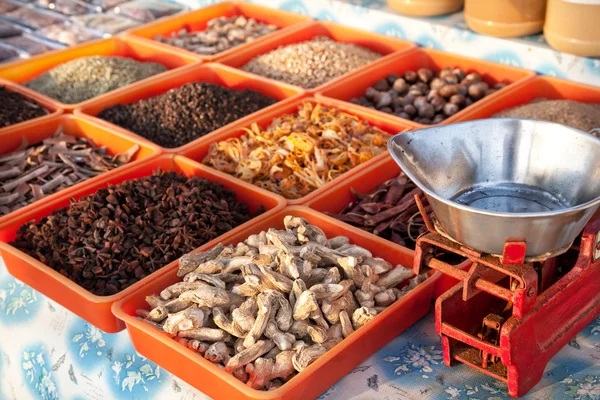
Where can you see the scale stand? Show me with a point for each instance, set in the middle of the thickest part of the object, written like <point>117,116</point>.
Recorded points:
<point>508,316</point>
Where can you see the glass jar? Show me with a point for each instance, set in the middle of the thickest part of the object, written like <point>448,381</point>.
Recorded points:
<point>505,18</point>
<point>573,26</point>
<point>425,8</point>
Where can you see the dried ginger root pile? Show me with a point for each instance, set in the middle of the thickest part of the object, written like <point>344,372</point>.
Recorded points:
<point>270,306</point>
<point>299,153</point>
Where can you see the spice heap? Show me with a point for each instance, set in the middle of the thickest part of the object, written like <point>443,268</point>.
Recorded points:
<point>17,108</point>
<point>221,34</point>
<point>301,152</point>
<point>573,113</point>
<point>271,306</point>
<point>389,211</point>
<point>183,114</point>
<point>87,77</point>
<point>111,239</point>
<point>58,162</point>
<point>312,63</point>
<point>425,96</point>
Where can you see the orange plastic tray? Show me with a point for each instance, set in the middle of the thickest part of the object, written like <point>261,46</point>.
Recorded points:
<point>541,86</point>
<point>365,181</point>
<point>355,84</point>
<point>319,376</point>
<point>213,73</point>
<point>96,309</point>
<point>391,126</point>
<point>196,21</point>
<point>39,130</point>
<point>48,104</point>
<point>385,45</point>
<point>23,71</point>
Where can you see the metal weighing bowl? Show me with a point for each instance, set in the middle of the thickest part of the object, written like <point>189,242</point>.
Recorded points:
<point>500,178</point>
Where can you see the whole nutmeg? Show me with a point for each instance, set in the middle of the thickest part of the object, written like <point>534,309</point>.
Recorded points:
<point>420,101</point>
<point>448,91</point>
<point>426,121</point>
<point>468,102</point>
<point>403,115</point>
<point>393,94</point>
<point>410,77</point>
<point>386,110</point>
<point>431,94</point>
<point>425,74</point>
<point>410,109</point>
<point>408,99</point>
<point>472,78</point>
<point>438,118</point>
<point>398,102</point>
<point>400,86</point>
<point>363,101</point>
<point>438,103</point>
<point>500,85</point>
<point>458,99</point>
<point>451,79</point>
<point>423,86</point>
<point>459,73</point>
<point>478,90</point>
<point>446,71</point>
<point>415,92</point>
<point>382,99</point>
<point>436,83</point>
<point>450,109</point>
<point>462,89</point>
<point>381,85</point>
<point>370,93</point>
<point>426,111</point>
<point>391,78</point>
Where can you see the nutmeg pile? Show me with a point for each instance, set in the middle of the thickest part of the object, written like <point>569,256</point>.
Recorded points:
<point>272,305</point>
<point>425,96</point>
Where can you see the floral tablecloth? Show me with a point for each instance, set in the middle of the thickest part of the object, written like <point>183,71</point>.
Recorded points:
<point>46,352</point>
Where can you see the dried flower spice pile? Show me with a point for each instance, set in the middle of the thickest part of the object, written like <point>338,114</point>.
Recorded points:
<point>29,174</point>
<point>269,307</point>
<point>298,153</point>
<point>17,108</point>
<point>311,63</point>
<point>389,211</point>
<point>111,239</point>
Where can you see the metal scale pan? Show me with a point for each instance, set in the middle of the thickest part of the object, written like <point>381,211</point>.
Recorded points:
<point>493,180</point>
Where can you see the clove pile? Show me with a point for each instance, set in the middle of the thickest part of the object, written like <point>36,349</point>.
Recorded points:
<point>17,108</point>
<point>220,34</point>
<point>425,96</point>
<point>389,211</point>
<point>111,239</point>
<point>272,305</point>
<point>29,174</point>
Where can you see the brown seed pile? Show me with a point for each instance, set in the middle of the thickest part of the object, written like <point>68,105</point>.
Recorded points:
<point>425,96</point>
<point>17,108</point>
<point>299,153</point>
<point>58,162</point>
<point>221,34</point>
<point>573,113</point>
<point>111,239</point>
<point>183,114</point>
<point>269,307</point>
<point>311,63</point>
<point>389,211</point>
<point>87,77</point>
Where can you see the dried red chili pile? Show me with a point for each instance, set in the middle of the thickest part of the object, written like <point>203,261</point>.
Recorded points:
<point>389,211</point>
<point>111,239</point>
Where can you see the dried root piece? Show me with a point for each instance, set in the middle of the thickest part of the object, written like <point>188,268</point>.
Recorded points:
<point>274,385</point>
<point>218,353</point>
<point>363,315</point>
<point>179,288</point>
<point>338,241</point>
<point>206,296</point>
<point>283,341</point>
<point>346,324</point>
<point>190,262</point>
<point>241,374</point>
<point>225,323</point>
<point>243,316</point>
<point>335,331</point>
<point>303,329</point>
<point>395,277</point>
<point>206,334</point>
<point>305,304</point>
<point>250,354</point>
<point>307,356</point>
<point>331,310</point>
<point>264,370</point>
<point>198,346</point>
<point>385,298</point>
<point>266,307</point>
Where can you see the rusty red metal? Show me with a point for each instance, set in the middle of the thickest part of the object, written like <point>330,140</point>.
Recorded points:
<point>507,319</point>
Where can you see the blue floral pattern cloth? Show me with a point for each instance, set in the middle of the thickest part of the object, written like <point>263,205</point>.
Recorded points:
<point>48,353</point>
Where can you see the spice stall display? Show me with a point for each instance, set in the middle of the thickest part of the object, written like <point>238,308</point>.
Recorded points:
<point>296,153</point>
